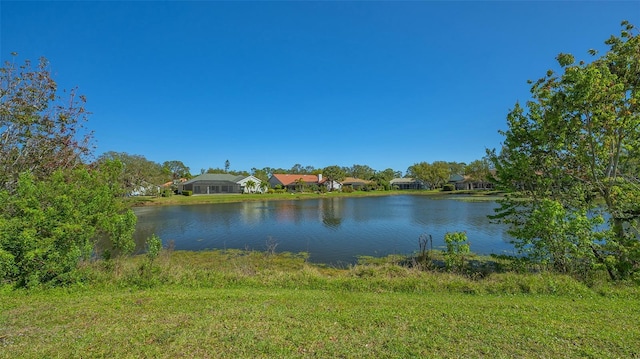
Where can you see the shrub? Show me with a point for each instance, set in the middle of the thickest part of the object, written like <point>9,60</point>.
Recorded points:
<point>48,226</point>
<point>187,193</point>
<point>457,249</point>
<point>448,187</point>
<point>166,192</point>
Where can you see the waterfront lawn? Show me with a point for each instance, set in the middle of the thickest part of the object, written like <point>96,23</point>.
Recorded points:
<point>236,304</point>
<point>229,198</point>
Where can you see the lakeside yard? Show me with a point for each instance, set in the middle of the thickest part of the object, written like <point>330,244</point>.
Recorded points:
<point>230,198</point>
<point>240,304</point>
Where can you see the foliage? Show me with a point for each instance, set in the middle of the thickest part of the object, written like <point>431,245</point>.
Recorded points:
<point>457,249</point>
<point>333,174</point>
<point>251,186</point>
<point>187,193</point>
<point>300,184</point>
<point>573,154</point>
<point>154,245</point>
<point>176,169</point>
<point>459,168</point>
<point>39,131</point>
<point>479,171</point>
<point>360,171</point>
<point>449,187</point>
<point>433,174</point>
<point>223,171</point>
<point>47,226</point>
<point>138,175</point>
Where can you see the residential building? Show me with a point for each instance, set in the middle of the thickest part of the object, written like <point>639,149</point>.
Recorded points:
<point>213,183</point>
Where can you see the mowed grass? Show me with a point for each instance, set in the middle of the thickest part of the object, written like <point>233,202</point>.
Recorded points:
<point>235,304</point>
<point>229,198</point>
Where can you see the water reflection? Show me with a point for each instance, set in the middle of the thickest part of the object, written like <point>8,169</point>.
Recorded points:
<point>332,230</point>
<point>331,211</point>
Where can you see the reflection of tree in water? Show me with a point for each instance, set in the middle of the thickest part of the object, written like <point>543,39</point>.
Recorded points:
<point>331,209</point>
<point>331,222</point>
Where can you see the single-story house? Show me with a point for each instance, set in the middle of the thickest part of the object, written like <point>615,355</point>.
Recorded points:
<point>292,182</point>
<point>407,183</point>
<point>212,183</point>
<point>251,184</point>
<point>467,183</point>
<point>355,183</point>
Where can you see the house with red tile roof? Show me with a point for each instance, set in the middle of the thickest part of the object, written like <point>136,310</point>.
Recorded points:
<point>292,182</point>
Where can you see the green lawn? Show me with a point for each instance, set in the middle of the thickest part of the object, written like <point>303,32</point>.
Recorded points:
<point>235,304</point>
<point>227,198</point>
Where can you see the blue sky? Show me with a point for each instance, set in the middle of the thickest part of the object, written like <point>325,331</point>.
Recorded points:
<point>272,84</point>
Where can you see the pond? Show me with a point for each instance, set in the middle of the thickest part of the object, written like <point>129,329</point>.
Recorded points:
<point>332,230</point>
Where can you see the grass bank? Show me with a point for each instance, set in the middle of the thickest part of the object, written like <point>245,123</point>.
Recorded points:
<point>229,198</point>
<point>239,304</point>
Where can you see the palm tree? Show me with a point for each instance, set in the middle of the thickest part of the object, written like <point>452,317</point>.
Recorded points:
<point>300,183</point>
<point>251,184</point>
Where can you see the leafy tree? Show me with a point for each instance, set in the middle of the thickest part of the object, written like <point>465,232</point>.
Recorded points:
<point>52,207</point>
<point>479,171</point>
<point>223,171</point>
<point>390,174</point>
<point>457,168</point>
<point>297,169</point>
<point>434,175</point>
<point>177,169</point>
<point>48,225</point>
<point>260,174</point>
<point>361,171</point>
<point>578,140</point>
<point>333,174</point>
<point>311,170</point>
<point>383,178</point>
<point>40,132</point>
<point>138,173</point>
<point>227,164</point>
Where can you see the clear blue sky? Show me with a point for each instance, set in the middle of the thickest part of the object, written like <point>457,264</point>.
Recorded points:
<point>385,83</point>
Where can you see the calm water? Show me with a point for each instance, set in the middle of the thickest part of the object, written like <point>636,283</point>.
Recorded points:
<point>331,230</point>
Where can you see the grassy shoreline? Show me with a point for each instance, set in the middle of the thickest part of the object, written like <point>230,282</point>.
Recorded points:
<point>250,304</point>
<point>241,304</point>
<point>142,201</point>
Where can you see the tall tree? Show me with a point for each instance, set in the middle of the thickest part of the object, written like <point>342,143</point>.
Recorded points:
<point>434,175</point>
<point>361,171</point>
<point>138,173</point>
<point>458,168</point>
<point>333,174</point>
<point>389,174</point>
<point>40,132</point>
<point>177,169</point>
<point>578,139</point>
<point>260,174</point>
<point>227,164</point>
<point>297,169</point>
<point>479,171</point>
